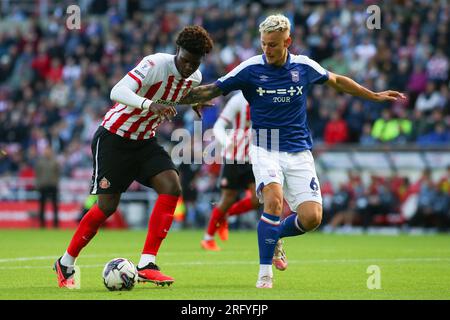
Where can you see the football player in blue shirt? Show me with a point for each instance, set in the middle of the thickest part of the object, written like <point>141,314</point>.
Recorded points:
<point>276,84</point>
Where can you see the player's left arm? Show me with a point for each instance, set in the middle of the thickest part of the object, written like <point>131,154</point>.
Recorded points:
<point>347,85</point>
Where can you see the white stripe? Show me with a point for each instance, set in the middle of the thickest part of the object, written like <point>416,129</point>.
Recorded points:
<point>297,226</point>
<point>94,190</point>
<point>253,262</point>
<point>129,122</point>
<point>118,110</point>
<point>274,223</point>
<point>251,61</point>
<point>113,119</point>
<point>305,60</point>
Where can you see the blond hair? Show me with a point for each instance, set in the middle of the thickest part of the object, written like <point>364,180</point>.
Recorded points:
<point>276,22</point>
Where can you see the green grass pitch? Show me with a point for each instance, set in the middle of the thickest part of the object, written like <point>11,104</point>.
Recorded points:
<point>320,266</point>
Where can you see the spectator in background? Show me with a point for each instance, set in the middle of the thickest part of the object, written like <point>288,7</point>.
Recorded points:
<point>47,181</point>
<point>437,67</point>
<point>336,130</point>
<point>439,136</point>
<point>419,125</point>
<point>388,129</point>
<point>366,138</point>
<point>355,121</point>
<point>417,82</point>
<point>425,214</point>
<point>428,100</point>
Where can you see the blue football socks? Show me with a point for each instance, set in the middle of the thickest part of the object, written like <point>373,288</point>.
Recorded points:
<point>291,226</point>
<point>268,235</point>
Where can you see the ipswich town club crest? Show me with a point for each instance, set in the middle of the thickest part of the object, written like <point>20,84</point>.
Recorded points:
<point>295,76</point>
<point>104,183</point>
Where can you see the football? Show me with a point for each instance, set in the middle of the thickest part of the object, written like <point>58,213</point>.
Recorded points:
<point>119,274</point>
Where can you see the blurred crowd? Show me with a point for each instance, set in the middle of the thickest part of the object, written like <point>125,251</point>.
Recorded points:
<point>55,82</point>
<point>388,201</point>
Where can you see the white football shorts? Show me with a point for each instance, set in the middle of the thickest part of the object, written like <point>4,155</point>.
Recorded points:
<point>295,172</point>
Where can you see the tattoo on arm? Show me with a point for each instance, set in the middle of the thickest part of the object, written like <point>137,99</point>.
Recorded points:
<point>201,94</point>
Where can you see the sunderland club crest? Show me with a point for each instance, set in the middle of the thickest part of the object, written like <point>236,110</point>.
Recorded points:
<point>104,183</point>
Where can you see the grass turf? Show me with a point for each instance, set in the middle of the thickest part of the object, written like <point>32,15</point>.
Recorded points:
<point>320,266</point>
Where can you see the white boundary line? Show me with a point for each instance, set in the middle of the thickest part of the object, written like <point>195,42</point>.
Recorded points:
<point>240,262</point>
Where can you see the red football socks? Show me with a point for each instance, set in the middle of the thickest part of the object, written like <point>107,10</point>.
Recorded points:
<point>240,207</point>
<point>159,223</point>
<point>216,216</point>
<point>86,230</point>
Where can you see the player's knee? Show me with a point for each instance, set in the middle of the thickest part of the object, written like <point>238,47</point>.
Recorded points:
<point>312,218</point>
<point>174,189</point>
<point>108,203</point>
<point>273,205</point>
<point>107,208</point>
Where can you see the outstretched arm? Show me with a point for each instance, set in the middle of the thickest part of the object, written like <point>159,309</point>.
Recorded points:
<point>201,94</point>
<point>347,85</point>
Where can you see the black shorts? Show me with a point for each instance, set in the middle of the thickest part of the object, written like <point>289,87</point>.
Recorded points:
<point>236,176</point>
<point>119,161</point>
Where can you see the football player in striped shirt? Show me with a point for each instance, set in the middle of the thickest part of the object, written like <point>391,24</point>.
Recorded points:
<point>276,84</point>
<point>125,149</point>
<point>236,170</point>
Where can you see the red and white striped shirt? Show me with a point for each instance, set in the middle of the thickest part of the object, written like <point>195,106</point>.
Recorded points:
<point>155,78</point>
<point>237,114</point>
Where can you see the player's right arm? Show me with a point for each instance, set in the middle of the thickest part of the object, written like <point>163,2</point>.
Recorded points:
<point>125,92</point>
<point>236,79</point>
<point>201,94</point>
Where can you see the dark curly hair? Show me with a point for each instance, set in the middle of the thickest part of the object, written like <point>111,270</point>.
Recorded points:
<point>195,39</point>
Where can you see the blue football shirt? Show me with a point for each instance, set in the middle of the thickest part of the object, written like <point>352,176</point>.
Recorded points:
<point>277,98</point>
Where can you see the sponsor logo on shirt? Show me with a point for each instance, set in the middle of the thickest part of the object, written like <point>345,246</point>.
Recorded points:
<point>291,91</point>
<point>168,103</point>
<point>139,73</point>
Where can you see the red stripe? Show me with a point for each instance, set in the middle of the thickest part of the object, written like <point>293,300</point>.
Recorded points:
<point>122,119</point>
<point>188,86</point>
<point>247,145</point>
<point>238,120</point>
<point>238,124</point>
<point>147,128</point>
<point>247,127</point>
<point>112,113</point>
<point>177,90</point>
<point>136,124</point>
<point>137,80</point>
<point>247,115</point>
<point>153,89</point>
<point>168,87</point>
